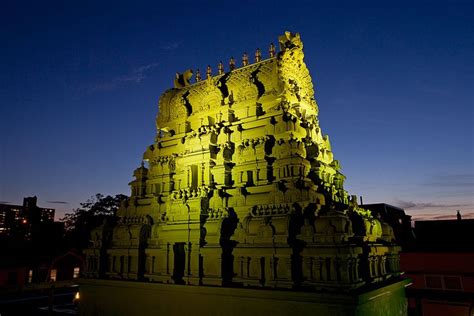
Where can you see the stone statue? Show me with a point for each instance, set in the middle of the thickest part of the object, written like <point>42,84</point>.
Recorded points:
<point>183,80</point>
<point>258,55</point>
<point>272,50</point>
<point>232,63</point>
<point>220,68</point>
<point>245,59</point>
<point>198,75</point>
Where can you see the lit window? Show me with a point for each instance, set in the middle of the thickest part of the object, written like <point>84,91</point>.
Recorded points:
<point>76,273</point>
<point>30,276</point>
<point>53,275</point>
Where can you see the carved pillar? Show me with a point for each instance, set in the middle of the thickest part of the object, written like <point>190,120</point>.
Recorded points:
<point>397,262</point>
<point>308,266</point>
<point>254,271</point>
<point>383,260</point>
<point>320,269</point>
<point>343,270</point>
<point>211,265</point>
<point>148,264</point>
<point>390,263</point>
<point>284,268</point>
<point>326,269</point>
<point>239,266</point>
<point>282,271</point>
<point>372,272</point>
<point>356,268</point>
<point>268,273</point>
<point>192,266</point>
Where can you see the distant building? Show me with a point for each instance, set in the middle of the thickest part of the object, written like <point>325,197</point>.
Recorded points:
<point>441,265</point>
<point>17,272</point>
<point>22,220</point>
<point>30,239</point>
<point>67,266</point>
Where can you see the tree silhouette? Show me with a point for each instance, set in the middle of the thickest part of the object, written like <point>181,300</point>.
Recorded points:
<point>90,215</point>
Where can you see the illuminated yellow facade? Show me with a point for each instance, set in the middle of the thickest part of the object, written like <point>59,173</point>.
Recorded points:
<point>241,188</point>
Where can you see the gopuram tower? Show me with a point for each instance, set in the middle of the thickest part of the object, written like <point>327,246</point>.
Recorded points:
<point>241,189</point>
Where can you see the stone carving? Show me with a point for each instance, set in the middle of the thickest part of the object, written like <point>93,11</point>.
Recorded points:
<point>241,188</point>
<point>183,80</point>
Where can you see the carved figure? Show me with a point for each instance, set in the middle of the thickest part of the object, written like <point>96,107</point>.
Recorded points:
<point>245,59</point>
<point>258,55</point>
<point>220,68</point>
<point>183,80</point>
<point>209,72</point>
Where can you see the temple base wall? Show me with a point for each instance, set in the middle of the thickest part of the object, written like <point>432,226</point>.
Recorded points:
<point>107,297</point>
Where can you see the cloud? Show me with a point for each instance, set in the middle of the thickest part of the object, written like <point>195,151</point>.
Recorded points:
<point>430,216</point>
<point>410,205</point>
<point>435,211</point>
<point>57,202</point>
<point>137,75</point>
<point>171,46</point>
<point>5,202</point>
<point>143,69</point>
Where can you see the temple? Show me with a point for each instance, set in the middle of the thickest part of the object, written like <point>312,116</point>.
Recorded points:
<point>241,189</point>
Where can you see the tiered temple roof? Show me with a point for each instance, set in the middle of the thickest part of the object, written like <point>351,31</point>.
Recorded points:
<point>241,188</point>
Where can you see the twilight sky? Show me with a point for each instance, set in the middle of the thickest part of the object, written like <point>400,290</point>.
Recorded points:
<point>80,82</point>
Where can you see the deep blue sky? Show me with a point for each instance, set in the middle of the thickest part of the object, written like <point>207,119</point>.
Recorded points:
<point>80,81</point>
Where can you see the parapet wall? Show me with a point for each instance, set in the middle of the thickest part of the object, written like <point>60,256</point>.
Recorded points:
<point>105,297</point>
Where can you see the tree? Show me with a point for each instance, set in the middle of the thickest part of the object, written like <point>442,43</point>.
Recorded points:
<point>90,215</point>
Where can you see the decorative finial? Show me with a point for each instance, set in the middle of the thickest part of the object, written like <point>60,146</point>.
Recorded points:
<point>198,75</point>
<point>209,72</point>
<point>220,68</point>
<point>232,63</point>
<point>258,55</point>
<point>245,59</point>
<point>272,50</point>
